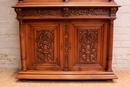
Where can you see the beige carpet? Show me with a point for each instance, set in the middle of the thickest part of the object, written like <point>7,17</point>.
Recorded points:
<point>7,79</point>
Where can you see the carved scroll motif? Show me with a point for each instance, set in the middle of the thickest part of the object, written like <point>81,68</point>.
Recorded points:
<point>88,45</point>
<point>38,12</point>
<point>62,12</point>
<point>66,47</point>
<point>89,12</point>
<point>45,41</point>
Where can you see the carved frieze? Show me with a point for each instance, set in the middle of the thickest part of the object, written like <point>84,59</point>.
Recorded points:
<point>90,12</point>
<point>45,41</point>
<point>88,45</point>
<point>65,12</point>
<point>24,12</point>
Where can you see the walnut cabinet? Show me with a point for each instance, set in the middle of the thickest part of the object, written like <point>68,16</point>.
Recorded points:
<point>66,40</point>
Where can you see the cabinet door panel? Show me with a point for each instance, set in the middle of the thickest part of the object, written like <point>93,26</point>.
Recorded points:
<point>43,45</point>
<point>90,41</point>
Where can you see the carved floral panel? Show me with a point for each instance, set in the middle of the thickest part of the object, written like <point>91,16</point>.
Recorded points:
<point>88,45</point>
<point>45,42</point>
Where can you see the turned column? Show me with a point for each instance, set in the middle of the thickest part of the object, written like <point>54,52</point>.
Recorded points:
<point>22,45</point>
<point>110,46</point>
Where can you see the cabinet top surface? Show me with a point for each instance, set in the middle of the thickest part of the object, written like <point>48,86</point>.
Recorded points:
<point>66,0</point>
<point>67,4</point>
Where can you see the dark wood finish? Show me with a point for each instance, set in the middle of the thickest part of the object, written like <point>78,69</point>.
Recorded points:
<point>66,40</point>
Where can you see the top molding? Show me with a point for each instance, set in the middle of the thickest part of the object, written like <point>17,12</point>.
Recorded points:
<point>63,0</point>
<point>69,4</point>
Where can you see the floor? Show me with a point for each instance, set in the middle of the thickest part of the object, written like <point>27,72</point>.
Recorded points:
<point>7,79</point>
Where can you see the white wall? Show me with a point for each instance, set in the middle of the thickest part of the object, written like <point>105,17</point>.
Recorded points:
<point>121,53</point>
<point>9,36</point>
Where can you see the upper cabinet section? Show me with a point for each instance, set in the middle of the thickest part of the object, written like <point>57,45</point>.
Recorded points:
<point>70,9</point>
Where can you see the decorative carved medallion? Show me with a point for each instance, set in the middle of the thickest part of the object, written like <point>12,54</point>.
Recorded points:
<point>88,45</point>
<point>66,12</point>
<point>62,12</point>
<point>113,11</point>
<point>45,40</point>
<point>66,47</point>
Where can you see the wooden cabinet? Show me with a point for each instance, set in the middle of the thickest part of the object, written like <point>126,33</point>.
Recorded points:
<point>66,40</point>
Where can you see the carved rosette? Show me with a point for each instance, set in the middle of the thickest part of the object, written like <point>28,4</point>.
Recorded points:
<point>88,45</point>
<point>45,41</point>
<point>63,12</point>
<point>66,47</point>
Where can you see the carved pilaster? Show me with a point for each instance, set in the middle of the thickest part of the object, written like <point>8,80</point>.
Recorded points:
<point>66,45</point>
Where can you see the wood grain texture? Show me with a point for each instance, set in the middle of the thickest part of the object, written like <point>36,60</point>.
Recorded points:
<point>63,4</point>
<point>72,41</point>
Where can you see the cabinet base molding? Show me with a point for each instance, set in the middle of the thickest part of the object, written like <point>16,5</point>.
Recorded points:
<point>66,75</point>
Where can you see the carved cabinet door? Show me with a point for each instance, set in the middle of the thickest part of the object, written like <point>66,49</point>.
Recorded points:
<point>43,43</point>
<point>89,45</point>
<point>66,45</point>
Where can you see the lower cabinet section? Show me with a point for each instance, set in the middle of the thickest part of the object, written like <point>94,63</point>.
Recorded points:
<point>66,49</point>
